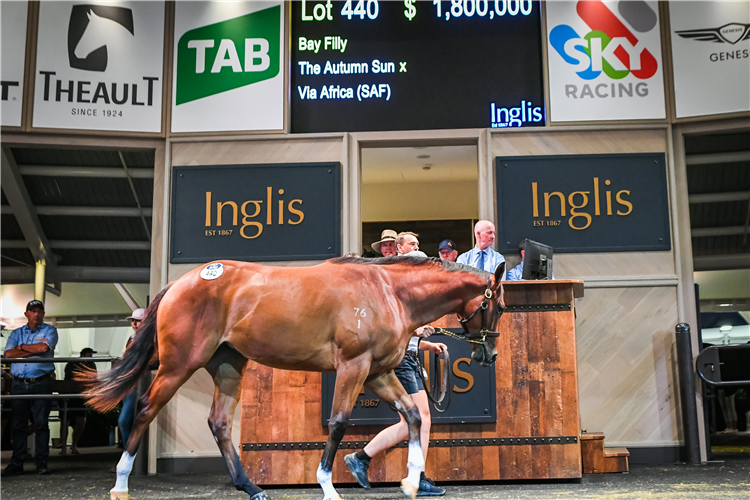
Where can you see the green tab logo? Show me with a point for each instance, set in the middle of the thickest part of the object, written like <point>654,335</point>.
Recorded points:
<point>228,55</point>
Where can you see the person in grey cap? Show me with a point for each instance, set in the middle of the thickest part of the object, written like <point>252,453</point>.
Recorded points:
<point>447,251</point>
<point>127,413</point>
<point>35,339</point>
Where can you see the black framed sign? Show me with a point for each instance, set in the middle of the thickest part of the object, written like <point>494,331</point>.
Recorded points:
<point>368,65</point>
<point>256,212</point>
<point>584,203</point>
<point>472,395</point>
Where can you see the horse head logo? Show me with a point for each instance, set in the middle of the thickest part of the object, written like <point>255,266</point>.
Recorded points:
<point>90,29</point>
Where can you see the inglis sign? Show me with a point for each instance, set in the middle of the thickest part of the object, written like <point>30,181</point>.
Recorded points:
<point>587,203</point>
<point>604,60</point>
<point>102,70</point>
<point>256,212</point>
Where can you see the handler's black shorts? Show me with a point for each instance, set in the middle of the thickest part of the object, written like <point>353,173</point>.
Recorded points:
<point>408,374</point>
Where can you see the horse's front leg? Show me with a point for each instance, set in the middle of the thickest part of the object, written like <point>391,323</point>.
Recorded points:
<point>389,389</point>
<point>349,379</point>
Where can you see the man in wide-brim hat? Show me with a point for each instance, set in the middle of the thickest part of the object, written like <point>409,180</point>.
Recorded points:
<point>387,243</point>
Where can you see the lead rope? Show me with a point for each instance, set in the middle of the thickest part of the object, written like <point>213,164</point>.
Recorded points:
<point>445,382</point>
<point>458,336</point>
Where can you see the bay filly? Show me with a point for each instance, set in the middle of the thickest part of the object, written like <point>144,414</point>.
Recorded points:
<point>349,315</point>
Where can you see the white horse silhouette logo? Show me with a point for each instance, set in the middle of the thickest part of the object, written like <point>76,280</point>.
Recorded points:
<point>95,32</point>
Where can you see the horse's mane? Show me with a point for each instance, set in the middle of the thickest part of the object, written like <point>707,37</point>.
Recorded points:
<point>445,265</point>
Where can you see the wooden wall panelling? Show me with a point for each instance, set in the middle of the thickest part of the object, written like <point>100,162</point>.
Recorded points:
<point>287,150</point>
<point>626,359</point>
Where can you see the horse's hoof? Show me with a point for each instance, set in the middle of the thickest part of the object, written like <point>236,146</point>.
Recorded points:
<point>261,495</point>
<point>119,495</point>
<point>408,489</point>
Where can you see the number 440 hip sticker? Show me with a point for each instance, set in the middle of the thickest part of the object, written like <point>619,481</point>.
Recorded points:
<point>212,271</point>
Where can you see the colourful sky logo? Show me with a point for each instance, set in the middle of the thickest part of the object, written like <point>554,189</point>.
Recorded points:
<point>610,46</point>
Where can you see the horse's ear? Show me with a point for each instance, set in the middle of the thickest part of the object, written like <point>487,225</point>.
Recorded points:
<point>498,275</point>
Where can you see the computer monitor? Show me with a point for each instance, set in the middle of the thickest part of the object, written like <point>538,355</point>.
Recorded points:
<point>537,261</point>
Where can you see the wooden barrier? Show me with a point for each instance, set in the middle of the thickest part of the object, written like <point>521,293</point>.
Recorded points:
<point>537,402</point>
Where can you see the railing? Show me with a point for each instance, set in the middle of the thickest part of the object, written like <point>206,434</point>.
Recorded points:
<point>64,397</point>
<point>725,366</point>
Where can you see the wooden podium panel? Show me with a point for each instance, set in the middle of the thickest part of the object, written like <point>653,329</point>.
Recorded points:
<point>536,436</point>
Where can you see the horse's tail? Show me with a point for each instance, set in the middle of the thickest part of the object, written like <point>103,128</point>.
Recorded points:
<point>107,389</point>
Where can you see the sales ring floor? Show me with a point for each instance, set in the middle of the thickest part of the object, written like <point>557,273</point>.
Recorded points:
<point>88,476</point>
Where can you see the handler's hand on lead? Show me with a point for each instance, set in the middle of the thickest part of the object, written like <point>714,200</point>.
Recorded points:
<point>438,348</point>
<point>424,331</point>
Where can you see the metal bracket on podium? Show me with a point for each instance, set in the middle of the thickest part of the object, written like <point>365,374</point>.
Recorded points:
<point>439,443</point>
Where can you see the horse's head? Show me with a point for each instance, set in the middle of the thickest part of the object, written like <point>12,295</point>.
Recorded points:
<point>480,318</point>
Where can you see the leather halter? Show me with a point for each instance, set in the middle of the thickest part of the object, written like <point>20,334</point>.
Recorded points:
<point>484,332</point>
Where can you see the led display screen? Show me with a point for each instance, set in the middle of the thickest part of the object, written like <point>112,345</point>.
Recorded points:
<point>367,65</point>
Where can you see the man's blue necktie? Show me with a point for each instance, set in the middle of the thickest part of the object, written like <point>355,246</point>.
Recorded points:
<point>480,262</point>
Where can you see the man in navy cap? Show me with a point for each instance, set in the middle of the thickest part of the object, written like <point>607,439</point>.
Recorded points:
<point>447,250</point>
<point>35,339</point>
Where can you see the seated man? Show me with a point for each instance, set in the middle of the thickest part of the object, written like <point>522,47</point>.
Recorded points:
<point>516,274</point>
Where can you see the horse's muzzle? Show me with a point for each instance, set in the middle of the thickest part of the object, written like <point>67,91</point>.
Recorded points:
<point>482,356</point>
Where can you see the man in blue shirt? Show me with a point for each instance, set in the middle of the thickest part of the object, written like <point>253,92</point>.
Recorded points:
<point>35,339</point>
<point>516,274</point>
<point>482,256</point>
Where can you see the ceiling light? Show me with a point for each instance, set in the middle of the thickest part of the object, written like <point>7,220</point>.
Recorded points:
<point>423,157</point>
<point>725,328</point>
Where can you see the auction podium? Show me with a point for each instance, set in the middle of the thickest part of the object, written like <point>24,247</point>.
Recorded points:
<point>536,435</point>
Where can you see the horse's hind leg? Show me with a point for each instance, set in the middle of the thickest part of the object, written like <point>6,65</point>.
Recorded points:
<point>349,379</point>
<point>165,384</point>
<point>390,389</point>
<point>226,368</point>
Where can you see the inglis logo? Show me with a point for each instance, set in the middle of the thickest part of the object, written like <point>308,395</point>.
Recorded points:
<point>91,29</point>
<point>515,117</point>
<point>228,55</point>
<point>610,47</point>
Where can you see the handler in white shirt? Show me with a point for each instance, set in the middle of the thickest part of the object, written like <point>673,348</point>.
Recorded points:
<point>482,256</point>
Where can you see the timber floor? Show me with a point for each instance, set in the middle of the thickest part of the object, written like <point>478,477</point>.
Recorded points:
<point>87,476</point>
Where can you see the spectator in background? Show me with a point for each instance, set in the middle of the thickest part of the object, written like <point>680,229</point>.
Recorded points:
<point>387,244</point>
<point>516,274</point>
<point>77,418</point>
<point>35,339</point>
<point>407,242</point>
<point>447,251</point>
<point>482,256</point>
<point>5,420</point>
<point>127,413</point>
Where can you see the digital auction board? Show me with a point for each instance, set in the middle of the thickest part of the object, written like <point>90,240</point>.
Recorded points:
<point>369,65</point>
